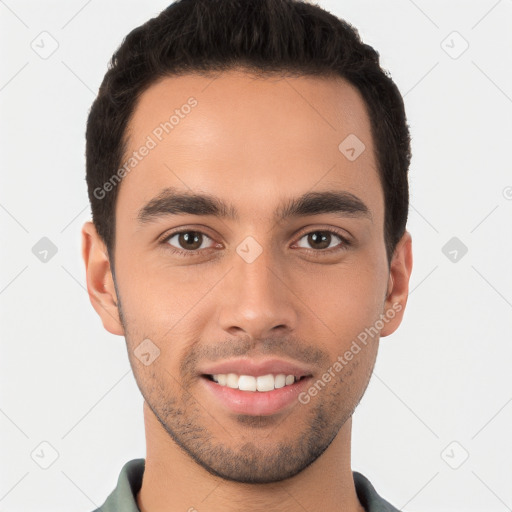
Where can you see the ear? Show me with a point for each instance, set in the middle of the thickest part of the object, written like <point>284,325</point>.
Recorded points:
<point>398,285</point>
<point>100,283</point>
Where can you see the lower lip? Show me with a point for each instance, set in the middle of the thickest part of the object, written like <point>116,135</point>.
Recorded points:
<point>256,402</point>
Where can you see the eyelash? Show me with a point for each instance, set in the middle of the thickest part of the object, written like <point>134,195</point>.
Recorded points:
<point>345,244</point>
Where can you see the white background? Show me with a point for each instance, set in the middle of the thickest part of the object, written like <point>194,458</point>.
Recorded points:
<point>443,377</point>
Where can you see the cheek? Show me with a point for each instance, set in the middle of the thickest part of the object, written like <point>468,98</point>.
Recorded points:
<point>170,311</point>
<point>348,297</point>
<point>155,298</point>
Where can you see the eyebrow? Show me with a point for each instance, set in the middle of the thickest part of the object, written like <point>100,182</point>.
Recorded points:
<point>172,201</point>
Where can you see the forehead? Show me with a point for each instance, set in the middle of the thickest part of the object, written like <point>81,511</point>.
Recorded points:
<point>250,139</point>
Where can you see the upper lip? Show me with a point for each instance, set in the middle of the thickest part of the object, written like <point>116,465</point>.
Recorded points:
<point>256,367</point>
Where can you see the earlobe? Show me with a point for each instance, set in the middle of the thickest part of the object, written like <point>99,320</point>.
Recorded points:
<point>398,285</point>
<point>100,283</point>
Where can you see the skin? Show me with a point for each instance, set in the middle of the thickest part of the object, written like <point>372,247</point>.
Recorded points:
<point>254,143</point>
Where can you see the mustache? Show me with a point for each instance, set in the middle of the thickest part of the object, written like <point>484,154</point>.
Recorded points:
<point>285,347</point>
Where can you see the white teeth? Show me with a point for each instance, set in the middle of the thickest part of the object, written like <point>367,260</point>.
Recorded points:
<point>265,383</point>
<point>280,381</point>
<point>249,383</point>
<point>232,380</point>
<point>290,379</point>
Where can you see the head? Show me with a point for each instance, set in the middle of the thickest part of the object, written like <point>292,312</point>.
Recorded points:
<point>281,119</point>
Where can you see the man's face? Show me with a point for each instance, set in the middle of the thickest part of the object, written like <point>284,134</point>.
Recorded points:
<point>257,285</point>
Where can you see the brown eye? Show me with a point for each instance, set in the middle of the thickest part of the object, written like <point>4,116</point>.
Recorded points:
<point>321,239</point>
<point>188,240</point>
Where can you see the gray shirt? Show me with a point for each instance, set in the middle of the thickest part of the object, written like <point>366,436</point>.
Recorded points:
<point>123,497</point>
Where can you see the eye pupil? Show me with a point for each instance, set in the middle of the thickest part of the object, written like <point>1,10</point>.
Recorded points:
<point>185,237</point>
<point>314,238</point>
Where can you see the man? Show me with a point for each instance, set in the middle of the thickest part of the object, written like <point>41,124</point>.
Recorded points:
<point>247,170</point>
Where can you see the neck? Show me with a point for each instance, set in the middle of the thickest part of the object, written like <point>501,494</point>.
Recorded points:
<point>174,482</point>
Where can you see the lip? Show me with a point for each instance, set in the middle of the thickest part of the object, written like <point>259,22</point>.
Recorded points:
<point>255,402</point>
<point>257,367</point>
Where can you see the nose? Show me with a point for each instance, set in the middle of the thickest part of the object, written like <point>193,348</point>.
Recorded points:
<point>257,299</point>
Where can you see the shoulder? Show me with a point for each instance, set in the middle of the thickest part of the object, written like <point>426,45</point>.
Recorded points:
<point>129,482</point>
<point>368,496</point>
